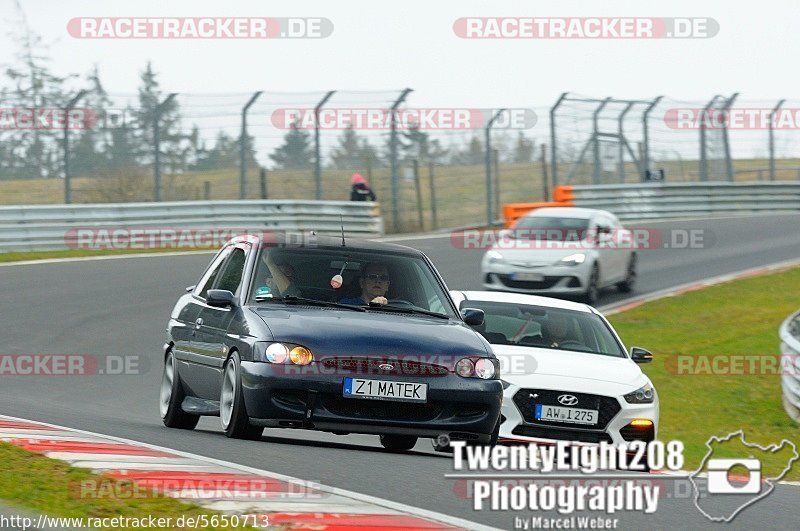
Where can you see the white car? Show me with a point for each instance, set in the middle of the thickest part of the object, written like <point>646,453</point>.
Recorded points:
<point>565,371</point>
<point>562,251</point>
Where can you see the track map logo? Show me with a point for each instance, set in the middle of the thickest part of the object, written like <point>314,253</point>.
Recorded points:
<point>737,475</point>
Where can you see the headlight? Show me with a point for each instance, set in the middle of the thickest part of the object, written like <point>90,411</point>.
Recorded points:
<point>643,395</point>
<point>573,259</point>
<point>483,368</point>
<point>286,353</point>
<point>493,257</point>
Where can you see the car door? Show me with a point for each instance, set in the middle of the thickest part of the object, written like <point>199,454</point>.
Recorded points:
<point>214,322</point>
<point>187,353</point>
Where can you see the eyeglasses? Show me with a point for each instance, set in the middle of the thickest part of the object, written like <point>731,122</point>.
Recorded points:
<point>375,276</point>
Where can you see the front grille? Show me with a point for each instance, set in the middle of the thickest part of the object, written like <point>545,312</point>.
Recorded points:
<point>607,406</point>
<point>630,433</point>
<point>379,409</point>
<point>372,366</point>
<point>562,435</point>
<point>547,283</point>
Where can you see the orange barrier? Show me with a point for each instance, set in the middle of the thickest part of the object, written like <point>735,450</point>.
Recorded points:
<point>513,211</point>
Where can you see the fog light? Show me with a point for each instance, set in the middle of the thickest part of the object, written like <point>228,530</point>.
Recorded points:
<point>277,353</point>
<point>300,356</point>
<point>465,367</point>
<point>641,423</point>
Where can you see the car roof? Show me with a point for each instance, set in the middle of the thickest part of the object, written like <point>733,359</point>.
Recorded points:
<point>567,212</point>
<point>310,240</point>
<point>520,298</point>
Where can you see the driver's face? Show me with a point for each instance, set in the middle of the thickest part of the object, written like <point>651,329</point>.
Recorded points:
<point>558,325</point>
<point>374,282</point>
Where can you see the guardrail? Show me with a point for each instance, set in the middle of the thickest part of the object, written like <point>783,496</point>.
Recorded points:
<point>790,365</point>
<point>46,227</point>
<point>670,200</point>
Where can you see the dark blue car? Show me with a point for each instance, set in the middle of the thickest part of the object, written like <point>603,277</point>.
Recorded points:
<point>332,335</point>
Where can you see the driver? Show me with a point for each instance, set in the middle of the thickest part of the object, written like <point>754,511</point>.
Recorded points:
<point>555,330</point>
<point>374,282</point>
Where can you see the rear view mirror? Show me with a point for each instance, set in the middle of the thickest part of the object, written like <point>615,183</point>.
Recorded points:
<point>640,355</point>
<point>220,298</point>
<point>472,316</point>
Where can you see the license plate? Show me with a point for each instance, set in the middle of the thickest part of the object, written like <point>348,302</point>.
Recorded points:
<point>385,390</point>
<point>529,277</point>
<point>565,414</point>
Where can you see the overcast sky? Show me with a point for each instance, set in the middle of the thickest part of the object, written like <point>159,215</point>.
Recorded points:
<point>389,45</point>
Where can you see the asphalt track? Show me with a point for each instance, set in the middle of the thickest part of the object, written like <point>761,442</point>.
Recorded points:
<point>119,308</point>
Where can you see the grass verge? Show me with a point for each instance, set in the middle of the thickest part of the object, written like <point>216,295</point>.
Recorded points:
<point>687,333</point>
<point>53,487</point>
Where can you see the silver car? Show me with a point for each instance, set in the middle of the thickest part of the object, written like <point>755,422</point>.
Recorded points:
<point>562,251</point>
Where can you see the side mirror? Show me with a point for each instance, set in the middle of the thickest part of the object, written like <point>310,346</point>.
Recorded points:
<point>189,289</point>
<point>220,298</point>
<point>472,316</point>
<point>640,355</point>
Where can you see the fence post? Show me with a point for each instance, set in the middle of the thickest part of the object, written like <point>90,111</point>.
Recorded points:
<point>393,155</point>
<point>553,145</point>
<point>67,176</point>
<point>620,143</point>
<point>645,156</point>
<point>703,156</point>
<point>545,184</point>
<point>725,139</point>
<point>317,155</point>
<point>419,195</point>
<point>488,165</point>
<point>596,140</point>
<point>432,186</point>
<point>772,139</point>
<point>243,146</point>
<point>496,164</point>
<point>262,177</point>
<point>206,190</point>
<point>157,145</point>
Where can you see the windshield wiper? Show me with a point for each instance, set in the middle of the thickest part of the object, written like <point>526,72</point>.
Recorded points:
<point>310,302</point>
<point>405,310</point>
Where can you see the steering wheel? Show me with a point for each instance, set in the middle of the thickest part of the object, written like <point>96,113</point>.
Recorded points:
<point>572,343</point>
<point>400,302</point>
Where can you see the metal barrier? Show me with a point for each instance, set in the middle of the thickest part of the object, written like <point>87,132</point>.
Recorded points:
<point>46,227</point>
<point>671,200</point>
<point>790,365</point>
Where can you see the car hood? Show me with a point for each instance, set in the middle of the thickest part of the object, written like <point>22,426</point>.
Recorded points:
<point>332,332</point>
<point>568,370</point>
<point>543,253</point>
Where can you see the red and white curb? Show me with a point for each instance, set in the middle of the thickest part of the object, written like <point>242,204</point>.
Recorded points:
<point>222,486</point>
<point>629,304</point>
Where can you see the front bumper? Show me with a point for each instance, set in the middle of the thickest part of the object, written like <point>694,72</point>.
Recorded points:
<point>617,420</point>
<point>462,408</point>
<point>556,279</point>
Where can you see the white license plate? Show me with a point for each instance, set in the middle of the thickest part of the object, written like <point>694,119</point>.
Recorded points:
<point>529,277</point>
<point>385,390</point>
<point>565,414</point>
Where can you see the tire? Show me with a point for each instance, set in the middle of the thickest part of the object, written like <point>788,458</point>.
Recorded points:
<point>398,443</point>
<point>626,286</point>
<point>171,397</point>
<point>232,412</point>
<point>592,293</point>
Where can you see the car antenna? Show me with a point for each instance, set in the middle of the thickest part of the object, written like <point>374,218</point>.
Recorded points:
<point>341,221</point>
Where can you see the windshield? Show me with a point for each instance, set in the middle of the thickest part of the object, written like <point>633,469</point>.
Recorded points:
<point>350,277</point>
<point>550,228</point>
<point>539,326</point>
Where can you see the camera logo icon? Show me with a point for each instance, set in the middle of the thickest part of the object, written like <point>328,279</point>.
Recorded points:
<point>718,482</point>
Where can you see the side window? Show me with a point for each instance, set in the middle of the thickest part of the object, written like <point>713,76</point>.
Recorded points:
<point>232,274</point>
<point>211,274</point>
